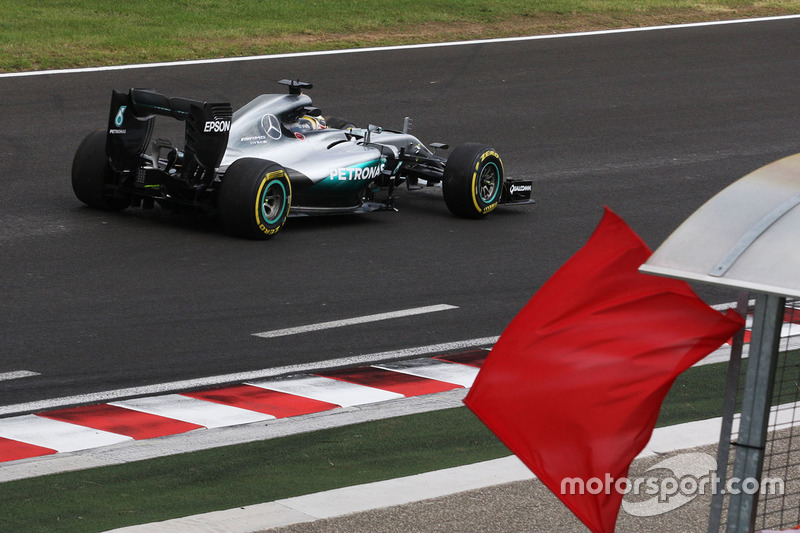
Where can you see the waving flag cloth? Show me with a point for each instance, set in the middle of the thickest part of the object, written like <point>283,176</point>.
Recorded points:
<point>574,384</point>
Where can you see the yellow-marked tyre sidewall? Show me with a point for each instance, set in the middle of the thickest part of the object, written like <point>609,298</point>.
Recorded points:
<point>461,182</point>
<point>254,198</point>
<point>484,207</point>
<point>273,183</point>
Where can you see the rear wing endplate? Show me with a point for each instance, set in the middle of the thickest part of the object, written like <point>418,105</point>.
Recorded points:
<point>131,120</point>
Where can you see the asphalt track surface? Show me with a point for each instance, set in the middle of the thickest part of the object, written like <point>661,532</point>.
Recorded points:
<point>649,123</point>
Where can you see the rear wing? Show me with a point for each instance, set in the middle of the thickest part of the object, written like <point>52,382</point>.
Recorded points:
<point>130,128</point>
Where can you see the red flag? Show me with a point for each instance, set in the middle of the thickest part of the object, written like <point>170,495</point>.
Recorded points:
<point>574,384</point>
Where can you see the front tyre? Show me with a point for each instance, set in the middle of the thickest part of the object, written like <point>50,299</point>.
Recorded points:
<point>339,123</point>
<point>254,199</point>
<point>91,173</point>
<point>473,180</point>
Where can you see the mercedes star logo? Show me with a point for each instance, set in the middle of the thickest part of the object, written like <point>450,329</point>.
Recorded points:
<point>272,126</point>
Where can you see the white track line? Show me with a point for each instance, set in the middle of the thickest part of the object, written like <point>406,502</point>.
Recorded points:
<point>389,48</point>
<point>720,355</point>
<point>161,388</point>
<point>6,376</point>
<point>437,370</point>
<point>355,320</point>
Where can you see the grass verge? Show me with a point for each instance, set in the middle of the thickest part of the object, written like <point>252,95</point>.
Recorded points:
<point>52,34</point>
<point>223,478</point>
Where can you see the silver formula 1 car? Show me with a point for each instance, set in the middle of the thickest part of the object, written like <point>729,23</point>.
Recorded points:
<point>273,158</point>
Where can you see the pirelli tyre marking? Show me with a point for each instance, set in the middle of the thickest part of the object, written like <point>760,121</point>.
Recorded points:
<point>255,198</point>
<point>486,182</point>
<point>472,183</point>
<point>272,201</point>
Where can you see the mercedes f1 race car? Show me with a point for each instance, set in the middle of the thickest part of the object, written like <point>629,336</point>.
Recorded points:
<point>275,157</point>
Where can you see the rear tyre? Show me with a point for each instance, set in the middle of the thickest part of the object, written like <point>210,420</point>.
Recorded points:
<point>254,199</point>
<point>91,173</point>
<point>473,180</point>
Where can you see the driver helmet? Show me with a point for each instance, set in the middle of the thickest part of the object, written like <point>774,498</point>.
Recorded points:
<point>309,123</point>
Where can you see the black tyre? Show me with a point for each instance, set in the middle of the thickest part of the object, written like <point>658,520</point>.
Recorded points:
<point>254,199</point>
<point>91,173</point>
<point>473,180</point>
<point>338,123</point>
